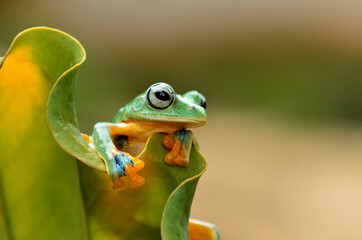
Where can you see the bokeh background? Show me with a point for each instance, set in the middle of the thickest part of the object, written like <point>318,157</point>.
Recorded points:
<point>283,84</point>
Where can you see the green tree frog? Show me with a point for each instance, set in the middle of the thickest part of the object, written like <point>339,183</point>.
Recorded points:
<point>157,110</point>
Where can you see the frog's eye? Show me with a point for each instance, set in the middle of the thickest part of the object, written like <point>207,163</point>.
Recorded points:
<point>203,102</point>
<point>160,96</point>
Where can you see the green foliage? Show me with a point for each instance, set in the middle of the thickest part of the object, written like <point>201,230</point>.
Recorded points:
<point>40,189</point>
<point>47,194</point>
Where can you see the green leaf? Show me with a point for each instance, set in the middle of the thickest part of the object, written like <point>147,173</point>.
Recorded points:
<point>40,192</point>
<point>39,183</point>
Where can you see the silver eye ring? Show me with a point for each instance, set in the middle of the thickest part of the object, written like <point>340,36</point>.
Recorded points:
<point>160,96</point>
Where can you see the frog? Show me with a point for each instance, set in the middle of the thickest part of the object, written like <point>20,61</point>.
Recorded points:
<point>157,110</point>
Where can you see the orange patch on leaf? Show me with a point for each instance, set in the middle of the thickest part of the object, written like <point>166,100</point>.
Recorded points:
<point>23,89</point>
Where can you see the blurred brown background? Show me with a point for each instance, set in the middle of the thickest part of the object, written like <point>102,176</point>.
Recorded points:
<point>283,83</point>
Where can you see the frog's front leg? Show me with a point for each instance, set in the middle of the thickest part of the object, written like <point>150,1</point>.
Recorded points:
<point>118,163</point>
<point>180,144</point>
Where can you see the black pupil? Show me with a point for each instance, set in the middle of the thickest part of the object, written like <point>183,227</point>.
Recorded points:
<point>204,104</point>
<point>203,101</point>
<point>162,95</point>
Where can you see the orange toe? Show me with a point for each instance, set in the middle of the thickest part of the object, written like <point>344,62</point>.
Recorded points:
<point>172,155</point>
<point>118,184</point>
<point>138,164</point>
<point>168,141</point>
<point>135,180</point>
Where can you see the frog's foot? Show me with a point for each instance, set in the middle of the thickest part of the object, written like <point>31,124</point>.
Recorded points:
<point>180,145</point>
<point>126,165</point>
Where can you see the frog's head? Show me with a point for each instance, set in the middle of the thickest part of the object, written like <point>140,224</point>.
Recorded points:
<point>160,103</point>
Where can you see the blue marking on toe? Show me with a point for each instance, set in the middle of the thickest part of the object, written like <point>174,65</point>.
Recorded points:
<point>120,170</point>
<point>117,159</point>
<point>181,135</point>
<point>121,162</point>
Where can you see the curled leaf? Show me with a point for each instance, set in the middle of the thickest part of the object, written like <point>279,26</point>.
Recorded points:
<point>45,194</point>
<point>62,117</point>
<point>40,194</point>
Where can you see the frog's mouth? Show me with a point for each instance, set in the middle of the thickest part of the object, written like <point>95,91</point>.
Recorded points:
<point>187,122</point>
<point>176,121</point>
